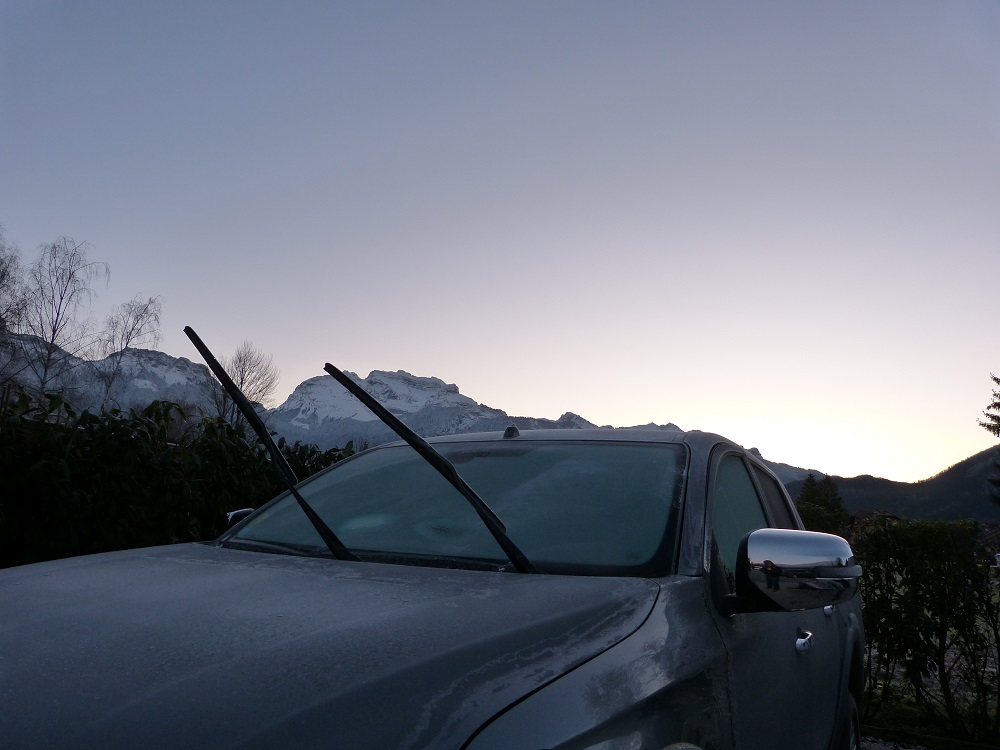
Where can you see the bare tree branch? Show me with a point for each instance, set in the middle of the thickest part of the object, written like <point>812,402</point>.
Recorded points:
<point>12,303</point>
<point>131,324</point>
<point>256,375</point>
<point>59,284</point>
<point>11,287</point>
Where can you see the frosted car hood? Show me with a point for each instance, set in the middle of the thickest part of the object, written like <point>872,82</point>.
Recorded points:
<point>194,644</point>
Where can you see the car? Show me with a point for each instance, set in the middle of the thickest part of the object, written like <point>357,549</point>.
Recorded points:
<point>615,588</point>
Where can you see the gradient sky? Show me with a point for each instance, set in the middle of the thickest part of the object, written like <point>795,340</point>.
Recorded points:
<point>779,221</point>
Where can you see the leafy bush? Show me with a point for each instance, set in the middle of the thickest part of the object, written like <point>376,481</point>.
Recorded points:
<point>77,483</point>
<point>931,619</point>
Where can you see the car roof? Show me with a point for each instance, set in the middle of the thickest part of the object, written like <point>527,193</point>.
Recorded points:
<point>694,438</point>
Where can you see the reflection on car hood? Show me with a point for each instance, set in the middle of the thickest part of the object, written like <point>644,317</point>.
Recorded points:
<point>199,645</point>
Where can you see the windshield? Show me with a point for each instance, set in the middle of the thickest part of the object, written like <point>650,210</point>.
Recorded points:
<point>571,507</point>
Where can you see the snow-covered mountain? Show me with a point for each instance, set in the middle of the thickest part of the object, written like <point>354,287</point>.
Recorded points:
<point>133,380</point>
<point>148,375</point>
<point>320,411</point>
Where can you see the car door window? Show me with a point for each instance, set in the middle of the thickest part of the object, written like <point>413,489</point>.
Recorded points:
<point>777,505</point>
<point>736,510</point>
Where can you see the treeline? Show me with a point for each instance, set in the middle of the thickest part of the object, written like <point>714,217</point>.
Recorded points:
<point>74,483</point>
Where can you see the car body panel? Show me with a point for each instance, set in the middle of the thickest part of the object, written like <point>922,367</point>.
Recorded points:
<point>666,683</point>
<point>257,650</point>
<point>774,686</point>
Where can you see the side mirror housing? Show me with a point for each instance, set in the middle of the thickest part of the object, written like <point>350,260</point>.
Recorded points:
<point>789,570</point>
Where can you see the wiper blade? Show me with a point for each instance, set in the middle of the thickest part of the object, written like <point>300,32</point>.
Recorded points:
<point>443,466</point>
<point>336,547</point>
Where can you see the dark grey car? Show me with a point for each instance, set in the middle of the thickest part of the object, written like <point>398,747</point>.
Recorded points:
<point>673,600</point>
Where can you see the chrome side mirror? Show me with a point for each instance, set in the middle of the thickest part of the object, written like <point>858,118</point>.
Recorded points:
<point>785,569</point>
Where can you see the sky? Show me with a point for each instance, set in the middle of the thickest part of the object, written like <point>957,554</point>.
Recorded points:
<point>778,221</point>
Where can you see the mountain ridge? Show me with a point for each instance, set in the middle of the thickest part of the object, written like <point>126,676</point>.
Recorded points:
<point>320,411</point>
<point>959,492</point>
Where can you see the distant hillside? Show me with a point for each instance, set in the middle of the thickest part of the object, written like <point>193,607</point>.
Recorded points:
<point>788,475</point>
<point>958,492</point>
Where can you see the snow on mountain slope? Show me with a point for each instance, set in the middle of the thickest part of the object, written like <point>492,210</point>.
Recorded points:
<point>144,375</point>
<point>148,375</point>
<point>321,411</point>
<point>320,399</point>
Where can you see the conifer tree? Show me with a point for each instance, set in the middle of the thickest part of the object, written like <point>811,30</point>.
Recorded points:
<point>992,425</point>
<point>992,412</point>
<point>828,496</point>
<point>820,506</point>
<point>810,488</point>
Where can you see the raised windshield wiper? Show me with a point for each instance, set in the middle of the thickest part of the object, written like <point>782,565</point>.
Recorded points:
<point>443,466</point>
<point>336,547</point>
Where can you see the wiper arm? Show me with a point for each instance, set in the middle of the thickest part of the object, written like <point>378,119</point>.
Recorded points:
<point>443,466</point>
<point>336,547</point>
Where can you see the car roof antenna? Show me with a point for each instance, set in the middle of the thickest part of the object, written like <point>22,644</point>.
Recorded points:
<point>336,547</point>
<point>443,466</point>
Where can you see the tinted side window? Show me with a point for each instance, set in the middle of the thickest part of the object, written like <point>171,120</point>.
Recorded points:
<point>736,510</point>
<point>776,503</point>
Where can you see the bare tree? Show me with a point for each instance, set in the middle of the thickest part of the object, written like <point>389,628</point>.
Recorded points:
<point>256,375</point>
<point>131,324</point>
<point>11,304</point>
<point>11,285</point>
<point>58,285</point>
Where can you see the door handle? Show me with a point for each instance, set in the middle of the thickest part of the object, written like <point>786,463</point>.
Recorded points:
<point>804,642</point>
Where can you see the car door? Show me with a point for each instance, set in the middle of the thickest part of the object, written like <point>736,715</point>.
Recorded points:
<point>784,666</point>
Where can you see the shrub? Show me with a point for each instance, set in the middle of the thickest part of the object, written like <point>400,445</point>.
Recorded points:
<point>77,483</point>
<point>931,623</point>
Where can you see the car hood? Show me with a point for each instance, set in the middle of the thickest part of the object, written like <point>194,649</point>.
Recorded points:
<point>197,644</point>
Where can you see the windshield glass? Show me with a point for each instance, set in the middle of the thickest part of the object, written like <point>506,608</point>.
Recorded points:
<point>573,506</point>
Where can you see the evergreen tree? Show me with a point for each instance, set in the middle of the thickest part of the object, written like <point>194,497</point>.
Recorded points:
<point>820,506</point>
<point>992,425</point>
<point>810,488</point>
<point>828,496</point>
